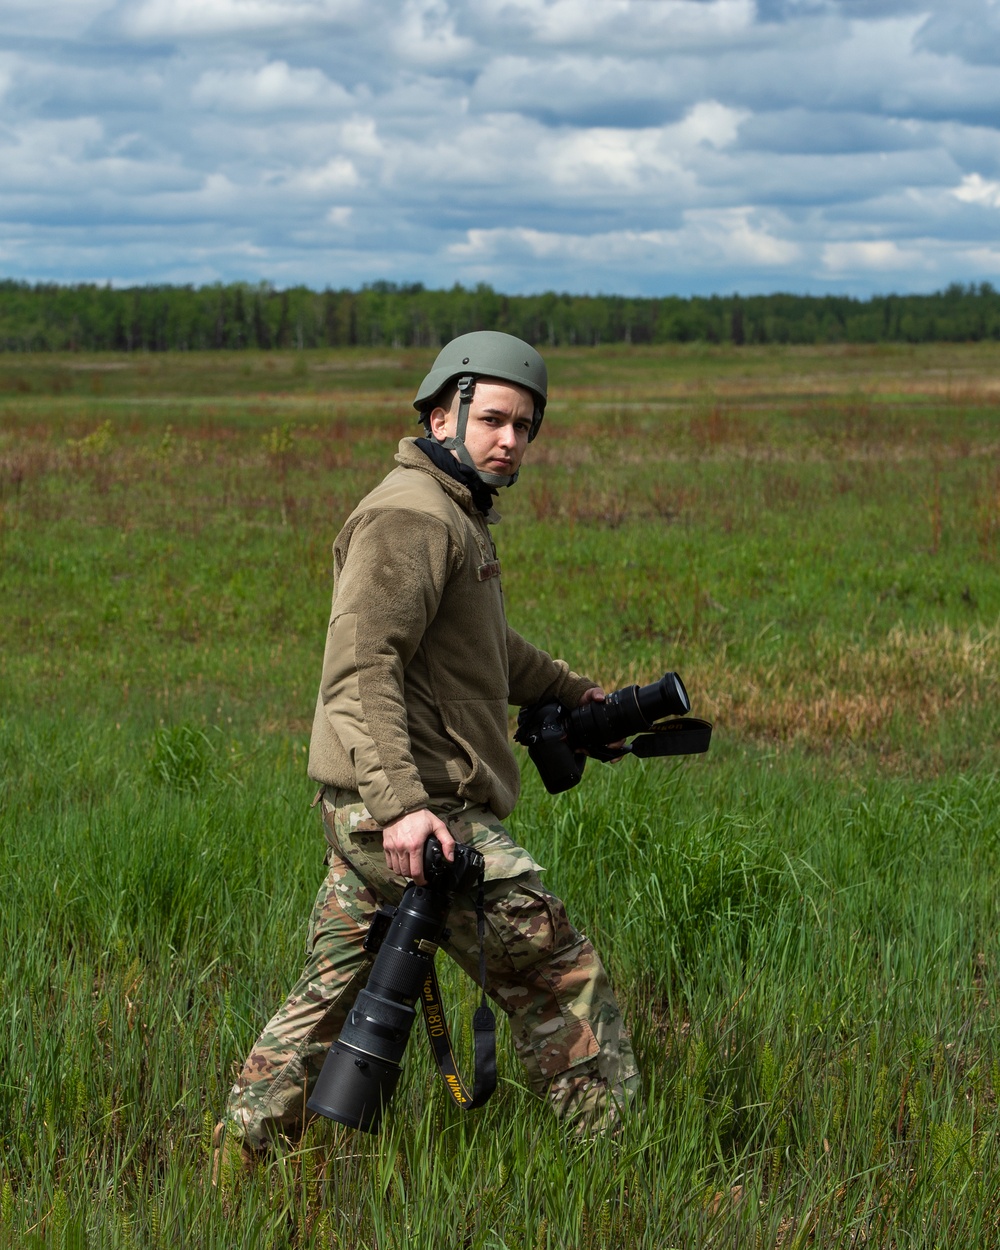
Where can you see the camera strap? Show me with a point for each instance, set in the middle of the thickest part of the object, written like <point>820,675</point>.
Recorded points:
<point>484,1028</point>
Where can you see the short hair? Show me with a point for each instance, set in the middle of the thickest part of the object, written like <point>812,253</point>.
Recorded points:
<point>445,398</point>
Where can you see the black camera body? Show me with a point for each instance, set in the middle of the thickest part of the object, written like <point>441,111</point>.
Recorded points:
<point>559,741</point>
<point>462,874</point>
<point>362,1068</point>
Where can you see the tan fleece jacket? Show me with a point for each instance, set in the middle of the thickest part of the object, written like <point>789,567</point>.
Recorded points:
<point>420,663</point>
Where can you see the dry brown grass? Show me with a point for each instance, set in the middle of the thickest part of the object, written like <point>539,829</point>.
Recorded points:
<point>857,693</point>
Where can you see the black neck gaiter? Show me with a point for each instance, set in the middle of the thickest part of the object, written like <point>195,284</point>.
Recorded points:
<point>482,495</point>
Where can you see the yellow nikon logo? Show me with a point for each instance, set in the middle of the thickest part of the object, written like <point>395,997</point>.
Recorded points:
<point>455,1085</point>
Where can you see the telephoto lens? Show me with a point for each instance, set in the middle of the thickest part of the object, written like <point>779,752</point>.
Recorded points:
<point>558,741</point>
<point>627,711</point>
<point>363,1065</point>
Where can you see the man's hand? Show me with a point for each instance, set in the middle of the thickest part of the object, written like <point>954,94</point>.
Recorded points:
<point>403,842</point>
<point>596,695</point>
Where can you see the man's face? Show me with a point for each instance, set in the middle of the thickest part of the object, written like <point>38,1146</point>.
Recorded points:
<point>498,428</point>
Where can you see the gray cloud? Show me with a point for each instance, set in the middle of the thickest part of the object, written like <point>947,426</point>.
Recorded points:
<point>793,10</point>
<point>968,30</point>
<point>682,145</point>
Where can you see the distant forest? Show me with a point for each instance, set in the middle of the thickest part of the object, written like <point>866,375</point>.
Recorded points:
<point>85,317</point>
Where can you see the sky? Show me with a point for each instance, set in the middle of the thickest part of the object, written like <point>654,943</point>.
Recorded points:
<point>645,147</point>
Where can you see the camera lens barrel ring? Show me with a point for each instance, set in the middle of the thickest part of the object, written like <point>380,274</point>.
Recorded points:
<point>371,1008</point>
<point>399,973</point>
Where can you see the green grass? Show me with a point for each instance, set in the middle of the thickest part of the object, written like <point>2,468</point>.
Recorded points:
<point>801,925</point>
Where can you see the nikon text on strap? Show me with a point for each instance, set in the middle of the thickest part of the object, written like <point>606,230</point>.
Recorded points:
<point>483,1026</point>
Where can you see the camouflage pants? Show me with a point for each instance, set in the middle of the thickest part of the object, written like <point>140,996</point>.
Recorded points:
<point>567,1029</point>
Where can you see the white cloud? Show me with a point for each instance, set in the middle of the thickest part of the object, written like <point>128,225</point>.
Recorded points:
<point>881,255</point>
<point>217,193</point>
<point>582,168</point>
<point>975,189</point>
<point>272,86</point>
<point>187,19</point>
<point>360,135</point>
<point>603,157</point>
<point>664,24</point>
<point>712,123</point>
<point>337,174</point>
<point>39,154</point>
<point>982,260</point>
<point>717,238</point>
<point>740,236</point>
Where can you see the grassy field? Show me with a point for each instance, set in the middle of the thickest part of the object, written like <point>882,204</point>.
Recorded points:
<point>802,925</point>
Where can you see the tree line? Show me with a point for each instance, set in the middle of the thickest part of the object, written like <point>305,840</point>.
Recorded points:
<point>234,316</point>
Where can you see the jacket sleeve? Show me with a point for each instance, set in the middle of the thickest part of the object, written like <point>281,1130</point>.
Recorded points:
<point>389,587</point>
<point>534,674</point>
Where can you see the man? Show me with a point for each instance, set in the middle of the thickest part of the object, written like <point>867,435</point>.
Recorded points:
<point>410,741</point>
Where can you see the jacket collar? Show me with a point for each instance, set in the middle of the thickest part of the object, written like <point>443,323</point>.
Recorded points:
<point>410,456</point>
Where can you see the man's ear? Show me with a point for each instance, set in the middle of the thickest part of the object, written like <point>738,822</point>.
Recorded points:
<point>439,422</point>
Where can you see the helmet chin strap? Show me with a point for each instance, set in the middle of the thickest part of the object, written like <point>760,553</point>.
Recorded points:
<point>466,390</point>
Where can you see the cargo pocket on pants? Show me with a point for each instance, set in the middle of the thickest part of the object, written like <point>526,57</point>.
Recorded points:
<point>529,923</point>
<point>539,942</point>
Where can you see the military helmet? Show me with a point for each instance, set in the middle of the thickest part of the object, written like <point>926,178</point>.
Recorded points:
<point>487,354</point>
<point>482,354</point>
